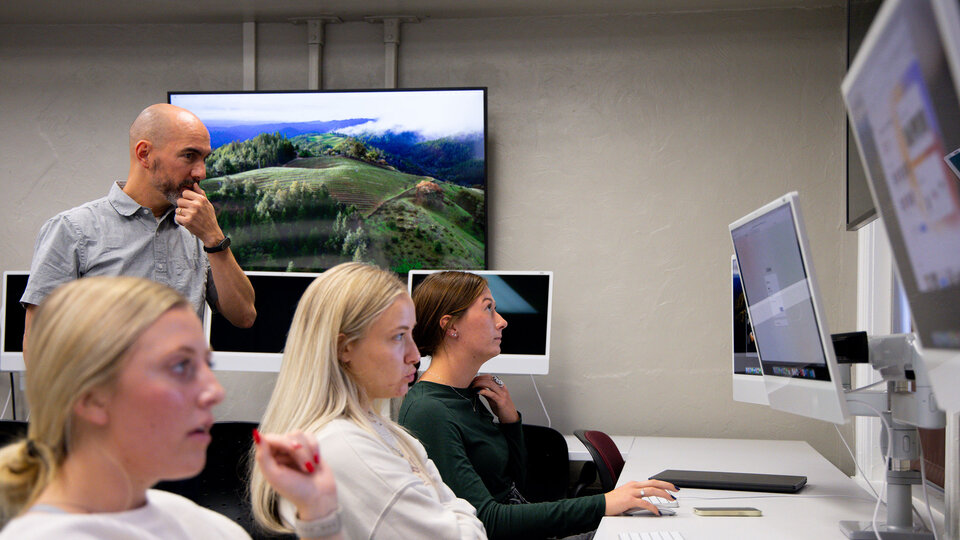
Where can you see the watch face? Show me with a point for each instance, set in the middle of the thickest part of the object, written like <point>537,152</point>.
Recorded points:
<point>224,244</point>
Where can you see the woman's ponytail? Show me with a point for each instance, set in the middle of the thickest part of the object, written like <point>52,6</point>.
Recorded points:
<point>26,467</point>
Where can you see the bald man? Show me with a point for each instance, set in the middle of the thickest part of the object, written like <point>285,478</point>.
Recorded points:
<point>156,224</point>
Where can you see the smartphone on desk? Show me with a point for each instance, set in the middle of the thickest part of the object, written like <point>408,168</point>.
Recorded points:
<point>727,511</point>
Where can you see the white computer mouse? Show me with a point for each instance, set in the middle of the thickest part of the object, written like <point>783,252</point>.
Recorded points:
<point>640,511</point>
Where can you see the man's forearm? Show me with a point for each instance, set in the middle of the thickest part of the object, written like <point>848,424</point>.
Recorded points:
<point>235,294</point>
<point>27,318</point>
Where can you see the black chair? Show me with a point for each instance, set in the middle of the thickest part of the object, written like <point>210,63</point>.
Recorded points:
<point>548,464</point>
<point>586,480</point>
<point>607,460</point>
<point>11,430</point>
<point>222,484</point>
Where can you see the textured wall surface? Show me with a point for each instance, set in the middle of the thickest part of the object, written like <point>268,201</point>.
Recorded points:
<point>620,148</point>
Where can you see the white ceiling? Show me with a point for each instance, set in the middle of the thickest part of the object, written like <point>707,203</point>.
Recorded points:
<point>235,11</point>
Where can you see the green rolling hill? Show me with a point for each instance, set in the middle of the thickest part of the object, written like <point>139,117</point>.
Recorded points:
<point>313,212</point>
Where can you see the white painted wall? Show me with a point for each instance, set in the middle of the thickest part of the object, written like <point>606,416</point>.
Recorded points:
<point>620,149</point>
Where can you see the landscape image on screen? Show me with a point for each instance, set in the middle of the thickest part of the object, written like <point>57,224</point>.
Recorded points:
<point>303,181</point>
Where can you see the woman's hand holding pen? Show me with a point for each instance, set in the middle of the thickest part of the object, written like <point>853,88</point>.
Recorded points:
<point>292,464</point>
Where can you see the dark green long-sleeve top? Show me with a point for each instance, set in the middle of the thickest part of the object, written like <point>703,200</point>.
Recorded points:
<point>480,460</point>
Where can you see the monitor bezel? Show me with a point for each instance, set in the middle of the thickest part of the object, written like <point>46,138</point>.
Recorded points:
<point>507,364</point>
<point>747,388</point>
<point>248,361</point>
<point>820,399</point>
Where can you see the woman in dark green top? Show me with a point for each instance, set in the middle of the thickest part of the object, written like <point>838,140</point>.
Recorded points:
<point>480,455</point>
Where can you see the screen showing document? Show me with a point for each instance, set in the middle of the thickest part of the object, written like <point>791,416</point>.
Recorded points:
<point>902,100</point>
<point>778,293</point>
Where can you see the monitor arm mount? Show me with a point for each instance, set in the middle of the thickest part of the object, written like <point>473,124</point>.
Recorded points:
<point>906,404</point>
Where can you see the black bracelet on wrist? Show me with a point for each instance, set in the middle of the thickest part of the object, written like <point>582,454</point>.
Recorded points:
<point>224,244</point>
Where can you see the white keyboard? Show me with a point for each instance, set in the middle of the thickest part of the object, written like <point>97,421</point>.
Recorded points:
<point>651,535</point>
<point>661,502</point>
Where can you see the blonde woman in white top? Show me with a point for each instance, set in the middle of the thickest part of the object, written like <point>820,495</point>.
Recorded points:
<point>121,396</point>
<point>349,347</point>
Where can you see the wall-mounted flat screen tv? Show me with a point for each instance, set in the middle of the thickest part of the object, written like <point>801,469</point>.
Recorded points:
<point>305,180</point>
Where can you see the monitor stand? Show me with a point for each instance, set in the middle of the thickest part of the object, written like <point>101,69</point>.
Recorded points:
<point>863,530</point>
<point>907,403</point>
<point>899,524</point>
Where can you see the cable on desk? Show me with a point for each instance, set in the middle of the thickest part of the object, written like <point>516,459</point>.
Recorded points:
<point>856,463</point>
<point>926,498</point>
<point>886,463</point>
<point>886,460</point>
<point>870,484</point>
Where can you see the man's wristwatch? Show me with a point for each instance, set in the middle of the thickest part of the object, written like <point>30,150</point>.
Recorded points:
<point>224,244</point>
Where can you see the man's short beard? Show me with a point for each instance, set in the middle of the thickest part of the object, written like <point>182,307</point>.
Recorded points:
<point>171,197</point>
<point>162,183</point>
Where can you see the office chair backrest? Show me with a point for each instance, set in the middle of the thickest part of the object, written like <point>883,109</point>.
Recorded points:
<point>11,431</point>
<point>222,484</point>
<point>548,464</point>
<point>606,456</point>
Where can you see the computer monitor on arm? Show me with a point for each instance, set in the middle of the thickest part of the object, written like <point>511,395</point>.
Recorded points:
<point>796,353</point>
<point>799,362</point>
<point>901,95</point>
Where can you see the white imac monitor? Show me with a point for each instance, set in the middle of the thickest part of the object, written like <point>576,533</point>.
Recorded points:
<point>902,100</point>
<point>748,385</point>
<point>260,347</point>
<point>794,344</point>
<point>12,321</point>
<point>524,300</point>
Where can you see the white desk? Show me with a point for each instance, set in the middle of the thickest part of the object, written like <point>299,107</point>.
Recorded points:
<point>578,452</point>
<point>813,513</point>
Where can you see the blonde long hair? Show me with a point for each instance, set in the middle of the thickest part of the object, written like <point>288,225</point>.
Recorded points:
<point>77,342</point>
<point>313,388</point>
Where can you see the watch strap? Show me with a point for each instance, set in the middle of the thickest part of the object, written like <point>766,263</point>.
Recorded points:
<point>224,244</point>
